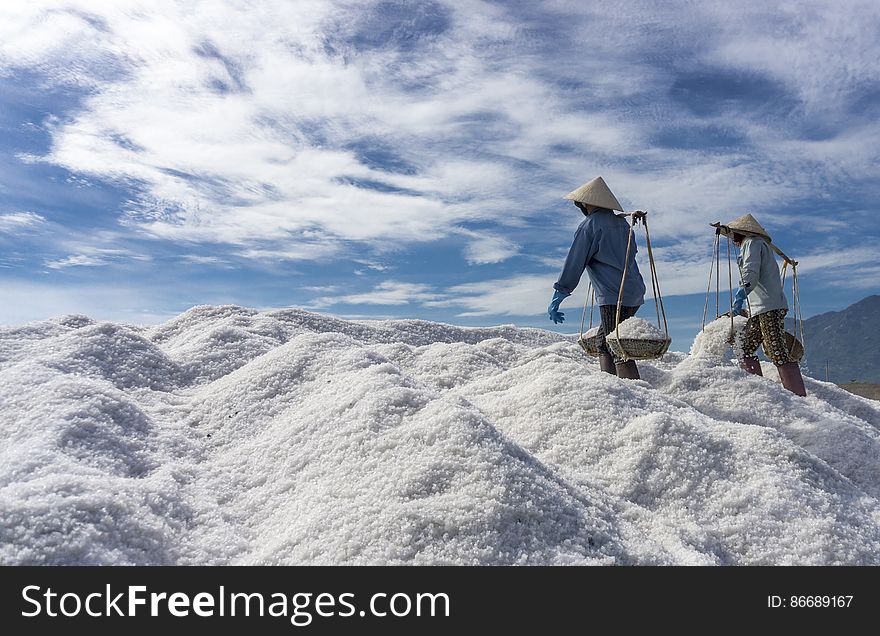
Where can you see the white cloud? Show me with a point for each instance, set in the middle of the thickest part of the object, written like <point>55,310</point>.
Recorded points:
<point>90,255</point>
<point>76,260</point>
<point>485,248</point>
<point>375,266</point>
<point>324,289</point>
<point>389,292</point>
<point>13,222</point>
<point>519,295</point>
<point>238,166</point>
<point>850,268</point>
<point>863,277</point>
<point>202,260</point>
<point>249,127</point>
<point>800,44</point>
<point>291,252</point>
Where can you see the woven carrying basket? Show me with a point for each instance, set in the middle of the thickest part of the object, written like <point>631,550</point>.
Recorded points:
<point>590,344</point>
<point>637,349</point>
<point>794,347</point>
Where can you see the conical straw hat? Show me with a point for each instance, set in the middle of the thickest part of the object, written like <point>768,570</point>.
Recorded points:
<point>747,224</point>
<point>595,192</point>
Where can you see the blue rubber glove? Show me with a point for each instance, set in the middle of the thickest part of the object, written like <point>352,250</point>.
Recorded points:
<point>555,315</point>
<point>738,301</point>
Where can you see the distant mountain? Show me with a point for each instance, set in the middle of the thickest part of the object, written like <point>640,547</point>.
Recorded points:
<point>847,341</point>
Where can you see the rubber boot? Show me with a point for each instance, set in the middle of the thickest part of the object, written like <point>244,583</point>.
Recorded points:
<point>628,370</point>
<point>752,365</point>
<point>606,363</point>
<point>790,374</point>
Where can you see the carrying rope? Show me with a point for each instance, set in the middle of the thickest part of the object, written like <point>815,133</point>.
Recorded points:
<point>795,302</point>
<point>715,267</point>
<point>655,284</point>
<point>591,293</point>
<point>655,281</point>
<point>717,282</point>
<point>730,289</point>
<point>709,284</point>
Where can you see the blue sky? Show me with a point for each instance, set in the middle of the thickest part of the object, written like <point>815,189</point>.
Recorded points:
<point>408,159</point>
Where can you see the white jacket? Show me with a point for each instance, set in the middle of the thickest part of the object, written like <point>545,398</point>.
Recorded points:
<point>760,276</point>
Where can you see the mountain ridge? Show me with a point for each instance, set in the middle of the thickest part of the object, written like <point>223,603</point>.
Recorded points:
<point>846,341</point>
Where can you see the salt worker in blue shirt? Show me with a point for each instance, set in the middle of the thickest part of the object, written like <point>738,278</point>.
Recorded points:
<point>600,248</point>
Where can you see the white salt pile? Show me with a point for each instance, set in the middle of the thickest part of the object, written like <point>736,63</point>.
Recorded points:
<point>231,436</point>
<point>713,343</point>
<point>637,329</point>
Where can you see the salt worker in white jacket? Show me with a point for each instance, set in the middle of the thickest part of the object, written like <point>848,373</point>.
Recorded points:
<point>761,284</point>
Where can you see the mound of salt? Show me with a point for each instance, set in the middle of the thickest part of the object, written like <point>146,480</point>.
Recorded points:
<point>306,439</point>
<point>713,342</point>
<point>637,329</point>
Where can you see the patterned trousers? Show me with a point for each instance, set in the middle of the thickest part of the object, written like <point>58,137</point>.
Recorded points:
<point>767,329</point>
<point>609,315</point>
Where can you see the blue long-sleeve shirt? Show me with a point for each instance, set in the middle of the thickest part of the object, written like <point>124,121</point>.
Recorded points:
<point>600,247</point>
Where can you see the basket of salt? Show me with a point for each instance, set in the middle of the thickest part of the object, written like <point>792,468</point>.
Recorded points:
<point>794,347</point>
<point>589,342</point>
<point>637,339</point>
